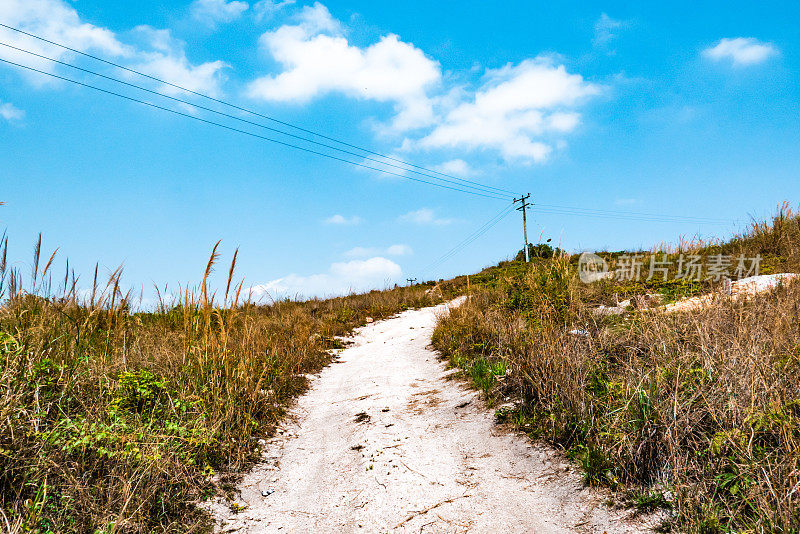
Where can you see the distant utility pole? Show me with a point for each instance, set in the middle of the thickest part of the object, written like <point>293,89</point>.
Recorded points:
<point>525,204</point>
<point>411,281</point>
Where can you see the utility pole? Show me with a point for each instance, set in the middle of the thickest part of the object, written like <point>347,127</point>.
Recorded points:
<point>411,281</point>
<point>525,204</point>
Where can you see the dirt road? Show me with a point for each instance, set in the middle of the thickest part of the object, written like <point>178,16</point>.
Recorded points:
<point>384,442</point>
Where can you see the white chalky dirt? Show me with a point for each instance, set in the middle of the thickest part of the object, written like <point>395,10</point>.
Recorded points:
<point>432,458</point>
<point>743,287</point>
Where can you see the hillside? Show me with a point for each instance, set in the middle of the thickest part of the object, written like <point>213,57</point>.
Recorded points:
<point>116,420</point>
<point>120,421</point>
<point>697,411</point>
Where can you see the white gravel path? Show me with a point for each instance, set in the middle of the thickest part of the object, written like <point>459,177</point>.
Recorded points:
<point>428,458</point>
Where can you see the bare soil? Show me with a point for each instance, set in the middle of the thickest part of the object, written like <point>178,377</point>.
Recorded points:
<point>386,441</point>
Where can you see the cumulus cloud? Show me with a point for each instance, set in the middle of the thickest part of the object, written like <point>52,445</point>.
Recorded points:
<point>342,278</point>
<point>741,51</point>
<point>517,108</point>
<point>317,59</point>
<point>522,111</point>
<point>10,112</point>
<point>212,12</point>
<point>266,9</point>
<point>57,21</point>
<point>424,217</point>
<point>393,250</point>
<point>163,56</point>
<point>157,53</point>
<point>457,167</point>
<point>344,221</point>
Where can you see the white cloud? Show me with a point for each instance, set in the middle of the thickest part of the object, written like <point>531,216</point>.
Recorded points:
<point>341,278</point>
<point>166,59</point>
<point>9,112</point>
<point>317,19</point>
<point>345,221</point>
<point>741,51</point>
<point>515,110</point>
<point>266,9</point>
<point>606,30</point>
<point>457,167</point>
<point>159,54</point>
<point>212,12</point>
<point>317,60</point>
<point>57,21</point>
<point>425,217</point>
<point>393,250</point>
<point>521,111</point>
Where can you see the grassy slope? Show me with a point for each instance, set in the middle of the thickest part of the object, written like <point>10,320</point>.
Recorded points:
<point>112,421</point>
<point>696,411</point>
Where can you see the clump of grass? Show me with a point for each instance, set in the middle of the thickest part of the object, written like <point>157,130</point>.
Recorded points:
<point>649,501</point>
<point>119,421</point>
<point>699,411</point>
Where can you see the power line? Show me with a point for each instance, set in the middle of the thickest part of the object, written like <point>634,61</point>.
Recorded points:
<point>556,209</point>
<point>245,132</point>
<point>227,115</point>
<point>503,213</point>
<point>473,237</point>
<point>243,109</point>
<point>485,227</point>
<point>580,212</point>
<point>637,213</point>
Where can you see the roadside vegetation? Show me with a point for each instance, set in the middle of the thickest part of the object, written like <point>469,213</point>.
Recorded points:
<point>116,420</point>
<point>696,412</point>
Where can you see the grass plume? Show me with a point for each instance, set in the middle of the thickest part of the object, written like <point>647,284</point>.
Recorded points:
<point>698,411</point>
<point>116,420</point>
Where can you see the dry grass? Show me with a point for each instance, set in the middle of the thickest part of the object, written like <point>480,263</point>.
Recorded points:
<point>695,411</point>
<point>113,421</point>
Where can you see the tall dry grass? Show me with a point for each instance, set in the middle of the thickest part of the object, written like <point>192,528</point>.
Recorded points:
<point>120,421</point>
<point>696,411</point>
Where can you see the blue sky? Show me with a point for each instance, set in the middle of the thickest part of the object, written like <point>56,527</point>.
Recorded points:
<point>681,109</point>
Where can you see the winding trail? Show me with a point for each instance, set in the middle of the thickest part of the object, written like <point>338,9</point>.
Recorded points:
<point>384,442</point>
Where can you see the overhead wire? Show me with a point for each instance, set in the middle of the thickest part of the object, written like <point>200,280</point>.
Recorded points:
<point>249,111</point>
<point>469,184</point>
<point>485,227</point>
<point>234,117</point>
<point>478,189</point>
<point>563,211</point>
<point>472,238</point>
<point>582,212</point>
<point>245,132</point>
<point>635,213</point>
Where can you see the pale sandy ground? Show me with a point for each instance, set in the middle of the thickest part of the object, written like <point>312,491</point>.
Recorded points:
<point>744,287</point>
<point>433,459</point>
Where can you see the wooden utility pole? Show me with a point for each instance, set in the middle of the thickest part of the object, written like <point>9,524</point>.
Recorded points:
<point>525,204</point>
<point>411,281</point>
